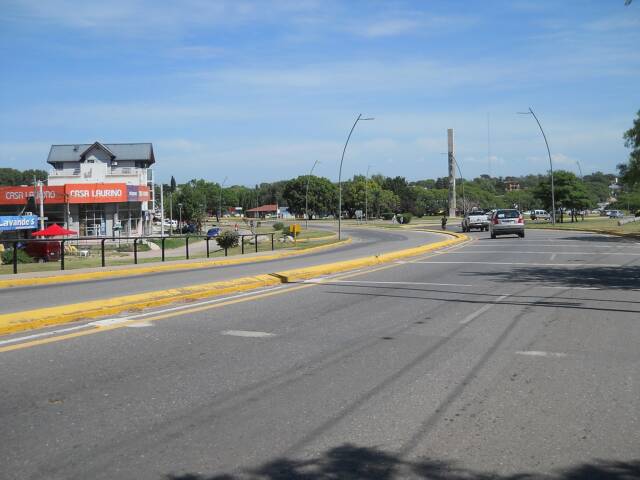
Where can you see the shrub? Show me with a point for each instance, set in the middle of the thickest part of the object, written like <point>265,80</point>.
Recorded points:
<point>23,257</point>
<point>406,217</point>
<point>278,226</point>
<point>227,239</point>
<point>387,215</point>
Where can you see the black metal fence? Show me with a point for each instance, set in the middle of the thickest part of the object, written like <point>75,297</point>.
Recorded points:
<point>54,249</point>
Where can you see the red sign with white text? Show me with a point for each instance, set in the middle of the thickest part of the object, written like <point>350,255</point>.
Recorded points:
<point>77,193</point>
<point>20,195</point>
<point>96,192</point>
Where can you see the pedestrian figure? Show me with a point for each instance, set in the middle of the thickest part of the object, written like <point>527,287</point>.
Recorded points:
<point>444,222</point>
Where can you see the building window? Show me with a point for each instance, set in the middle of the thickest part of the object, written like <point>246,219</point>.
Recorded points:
<point>92,220</point>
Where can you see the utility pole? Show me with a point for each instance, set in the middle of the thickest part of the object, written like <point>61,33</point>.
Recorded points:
<point>366,195</point>
<point>220,200</point>
<point>306,196</point>
<point>161,210</point>
<point>170,213</point>
<point>41,193</point>
<point>452,173</point>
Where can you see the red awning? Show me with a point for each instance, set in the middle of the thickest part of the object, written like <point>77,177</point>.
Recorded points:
<point>53,231</point>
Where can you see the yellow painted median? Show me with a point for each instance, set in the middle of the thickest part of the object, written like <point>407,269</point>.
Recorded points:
<point>42,317</point>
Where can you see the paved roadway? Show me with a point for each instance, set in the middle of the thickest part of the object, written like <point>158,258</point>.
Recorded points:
<point>497,359</point>
<point>365,242</point>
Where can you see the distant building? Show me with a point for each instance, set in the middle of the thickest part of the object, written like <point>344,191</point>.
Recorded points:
<point>262,211</point>
<point>96,189</point>
<point>511,185</point>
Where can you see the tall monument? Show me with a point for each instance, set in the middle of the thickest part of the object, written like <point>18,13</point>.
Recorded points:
<point>452,174</point>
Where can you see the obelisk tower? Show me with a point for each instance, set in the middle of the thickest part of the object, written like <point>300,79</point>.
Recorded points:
<point>452,174</point>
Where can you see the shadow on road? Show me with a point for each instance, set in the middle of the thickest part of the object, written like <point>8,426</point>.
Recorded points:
<point>350,462</point>
<point>624,277</point>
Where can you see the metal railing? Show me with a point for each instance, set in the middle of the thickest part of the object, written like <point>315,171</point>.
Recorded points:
<point>60,253</point>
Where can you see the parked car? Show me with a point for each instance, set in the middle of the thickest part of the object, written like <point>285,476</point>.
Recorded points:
<point>615,214</point>
<point>540,215</point>
<point>189,228</point>
<point>506,222</point>
<point>213,232</point>
<point>475,219</point>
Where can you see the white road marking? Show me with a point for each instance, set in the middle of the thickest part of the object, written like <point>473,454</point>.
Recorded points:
<point>520,252</point>
<point>567,288</point>
<point>479,312</point>
<point>404,283</point>
<point>140,324</point>
<point>563,245</point>
<point>530,264</point>
<point>41,334</point>
<point>537,353</point>
<point>247,333</point>
<point>553,257</point>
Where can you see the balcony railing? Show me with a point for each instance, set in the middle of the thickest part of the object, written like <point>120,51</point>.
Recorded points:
<point>68,172</point>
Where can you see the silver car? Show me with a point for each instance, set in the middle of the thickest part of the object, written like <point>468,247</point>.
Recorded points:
<point>506,222</point>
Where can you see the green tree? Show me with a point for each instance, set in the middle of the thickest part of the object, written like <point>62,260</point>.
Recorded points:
<point>323,195</point>
<point>630,171</point>
<point>570,192</point>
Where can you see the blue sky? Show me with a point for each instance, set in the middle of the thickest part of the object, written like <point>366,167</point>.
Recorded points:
<point>258,90</point>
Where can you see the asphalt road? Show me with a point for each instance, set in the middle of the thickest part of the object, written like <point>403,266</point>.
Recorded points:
<point>365,242</point>
<point>498,359</point>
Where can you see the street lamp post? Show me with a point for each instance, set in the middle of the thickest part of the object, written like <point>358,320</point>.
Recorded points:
<point>340,175</point>
<point>180,217</point>
<point>366,195</point>
<point>220,199</point>
<point>306,196</point>
<point>553,195</point>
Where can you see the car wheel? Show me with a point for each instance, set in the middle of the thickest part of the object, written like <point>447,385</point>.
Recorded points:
<point>521,235</point>
<point>493,236</point>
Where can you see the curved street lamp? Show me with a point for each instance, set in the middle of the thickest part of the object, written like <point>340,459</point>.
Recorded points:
<point>553,195</point>
<point>306,196</point>
<point>340,174</point>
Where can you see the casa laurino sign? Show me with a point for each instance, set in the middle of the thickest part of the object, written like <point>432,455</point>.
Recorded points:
<point>24,222</point>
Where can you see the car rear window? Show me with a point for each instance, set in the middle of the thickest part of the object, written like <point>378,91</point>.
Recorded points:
<point>508,213</point>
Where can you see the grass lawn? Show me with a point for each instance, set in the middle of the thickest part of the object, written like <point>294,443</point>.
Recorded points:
<point>592,224</point>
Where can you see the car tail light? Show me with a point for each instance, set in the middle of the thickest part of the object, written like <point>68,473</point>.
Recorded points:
<point>520,219</point>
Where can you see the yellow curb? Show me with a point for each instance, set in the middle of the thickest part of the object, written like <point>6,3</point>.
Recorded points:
<point>80,277</point>
<point>43,317</point>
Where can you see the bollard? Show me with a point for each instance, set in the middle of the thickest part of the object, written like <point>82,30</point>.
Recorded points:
<point>61,254</point>
<point>186,244</point>
<point>207,240</point>
<point>256,239</point>
<point>226,251</point>
<point>162,246</point>
<point>15,257</point>
<point>135,251</point>
<point>272,246</point>
<point>242,242</point>
<point>102,251</point>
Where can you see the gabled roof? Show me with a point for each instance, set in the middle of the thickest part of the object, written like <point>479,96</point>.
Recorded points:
<point>264,208</point>
<point>99,146</point>
<point>119,151</point>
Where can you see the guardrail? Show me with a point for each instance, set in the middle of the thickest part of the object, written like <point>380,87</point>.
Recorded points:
<point>61,254</point>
